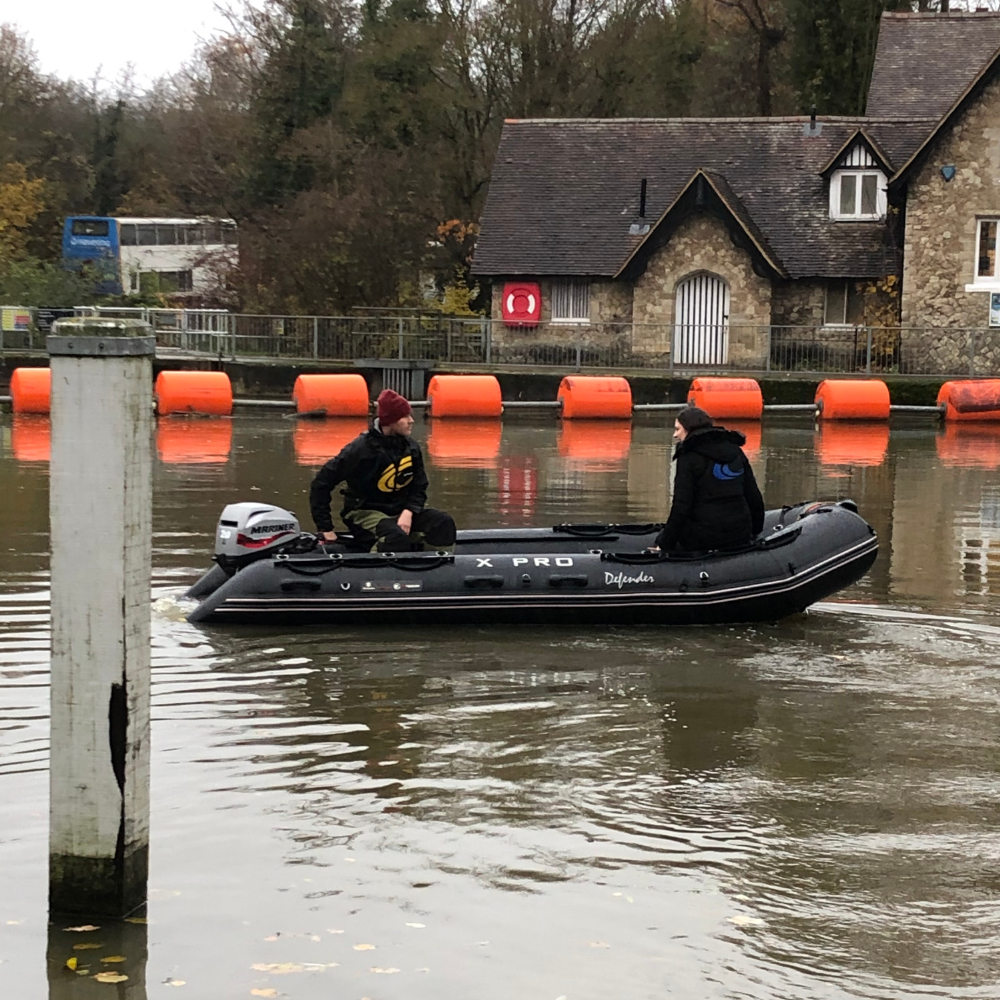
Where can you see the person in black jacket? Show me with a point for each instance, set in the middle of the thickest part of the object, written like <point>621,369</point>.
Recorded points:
<point>716,504</point>
<point>384,503</point>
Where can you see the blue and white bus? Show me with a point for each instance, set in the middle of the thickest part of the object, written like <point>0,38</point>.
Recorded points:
<point>173,256</point>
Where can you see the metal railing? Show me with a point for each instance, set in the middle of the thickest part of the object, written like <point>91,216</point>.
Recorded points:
<point>668,348</point>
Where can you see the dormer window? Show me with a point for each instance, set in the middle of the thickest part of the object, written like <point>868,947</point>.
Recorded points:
<point>857,195</point>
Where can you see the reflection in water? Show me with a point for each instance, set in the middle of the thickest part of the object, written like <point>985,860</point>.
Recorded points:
<point>317,441</point>
<point>841,442</point>
<point>185,440</point>
<point>800,810</point>
<point>969,445</point>
<point>30,437</point>
<point>114,949</point>
<point>464,444</point>
<point>595,445</point>
<point>751,430</point>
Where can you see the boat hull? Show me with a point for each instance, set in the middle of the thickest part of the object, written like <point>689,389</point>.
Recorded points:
<point>810,553</point>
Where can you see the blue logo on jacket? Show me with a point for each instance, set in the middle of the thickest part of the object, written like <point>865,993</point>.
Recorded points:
<point>724,473</point>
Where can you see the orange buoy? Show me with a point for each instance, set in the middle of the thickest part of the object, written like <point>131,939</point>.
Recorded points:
<point>464,396</point>
<point>723,398</point>
<point>31,437</point>
<point>31,390</point>
<point>464,444</point>
<point>852,444</point>
<point>194,392</point>
<point>193,442</point>
<point>334,395</point>
<point>853,399</point>
<point>317,441</point>
<point>750,429</point>
<point>595,445</point>
<point>969,446</point>
<point>972,399</point>
<point>603,397</point>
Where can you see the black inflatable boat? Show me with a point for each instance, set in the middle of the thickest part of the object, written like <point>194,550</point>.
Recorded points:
<point>590,574</point>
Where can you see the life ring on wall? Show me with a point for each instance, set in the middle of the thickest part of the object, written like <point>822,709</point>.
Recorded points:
<point>522,303</point>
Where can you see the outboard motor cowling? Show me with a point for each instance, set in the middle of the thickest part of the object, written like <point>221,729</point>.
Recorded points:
<point>250,531</point>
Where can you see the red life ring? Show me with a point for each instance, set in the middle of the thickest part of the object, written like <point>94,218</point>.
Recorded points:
<point>522,303</point>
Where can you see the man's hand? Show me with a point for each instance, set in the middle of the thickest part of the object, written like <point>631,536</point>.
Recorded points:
<point>328,536</point>
<point>405,521</point>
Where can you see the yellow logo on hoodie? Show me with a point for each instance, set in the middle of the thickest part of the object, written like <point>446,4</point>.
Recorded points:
<point>398,476</point>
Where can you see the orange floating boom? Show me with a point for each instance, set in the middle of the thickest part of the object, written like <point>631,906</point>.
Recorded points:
<point>853,399</point>
<point>603,397</point>
<point>31,390</point>
<point>727,398</point>
<point>194,392</point>
<point>332,395</point>
<point>464,396</point>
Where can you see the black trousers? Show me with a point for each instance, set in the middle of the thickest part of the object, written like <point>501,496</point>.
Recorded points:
<point>431,529</point>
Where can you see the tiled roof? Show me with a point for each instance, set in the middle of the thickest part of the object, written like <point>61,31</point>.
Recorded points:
<point>924,62</point>
<point>565,192</point>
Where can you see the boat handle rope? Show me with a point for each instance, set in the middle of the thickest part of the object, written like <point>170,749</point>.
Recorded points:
<point>601,530</point>
<point>413,564</point>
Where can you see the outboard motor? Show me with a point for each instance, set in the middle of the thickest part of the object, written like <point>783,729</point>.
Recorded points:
<point>250,531</point>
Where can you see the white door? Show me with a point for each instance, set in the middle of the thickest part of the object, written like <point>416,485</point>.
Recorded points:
<point>701,333</point>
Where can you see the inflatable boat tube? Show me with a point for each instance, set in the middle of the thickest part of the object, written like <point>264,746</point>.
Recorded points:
<point>581,575</point>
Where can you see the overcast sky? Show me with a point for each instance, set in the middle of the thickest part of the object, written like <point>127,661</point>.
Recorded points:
<point>75,38</point>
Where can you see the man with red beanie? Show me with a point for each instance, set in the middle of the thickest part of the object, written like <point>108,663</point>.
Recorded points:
<point>386,487</point>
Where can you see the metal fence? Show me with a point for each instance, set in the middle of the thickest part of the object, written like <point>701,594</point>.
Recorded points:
<point>563,346</point>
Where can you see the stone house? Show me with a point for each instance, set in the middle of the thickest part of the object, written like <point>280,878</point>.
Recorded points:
<point>742,241</point>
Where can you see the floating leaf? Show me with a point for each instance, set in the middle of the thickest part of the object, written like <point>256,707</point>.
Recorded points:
<point>82,927</point>
<point>110,977</point>
<point>71,963</point>
<point>85,971</point>
<point>175,982</point>
<point>269,992</point>
<point>416,925</point>
<point>364,947</point>
<point>87,945</point>
<point>315,937</point>
<point>136,920</point>
<point>334,930</point>
<point>14,923</point>
<point>384,972</point>
<point>114,958</point>
<point>278,968</point>
<point>272,937</point>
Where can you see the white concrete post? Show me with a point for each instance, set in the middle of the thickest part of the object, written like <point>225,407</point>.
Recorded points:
<point>100,513</point>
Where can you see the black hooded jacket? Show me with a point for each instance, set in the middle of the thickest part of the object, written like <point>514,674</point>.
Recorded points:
<point>716,504</point>
<point>382,472</point>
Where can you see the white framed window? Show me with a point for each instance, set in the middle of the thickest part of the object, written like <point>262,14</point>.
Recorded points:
<point>858,195</point>
<point>987,234</point>
<point>845,305</point>
<point>570,300</point>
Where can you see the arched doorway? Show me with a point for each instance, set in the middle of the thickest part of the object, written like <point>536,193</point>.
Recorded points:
<point>701,328</point>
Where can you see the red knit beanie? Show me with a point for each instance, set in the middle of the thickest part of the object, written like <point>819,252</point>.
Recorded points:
<point>391,407</point>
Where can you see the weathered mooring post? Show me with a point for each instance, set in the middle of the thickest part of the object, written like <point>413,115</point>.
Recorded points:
<point>100,512</point>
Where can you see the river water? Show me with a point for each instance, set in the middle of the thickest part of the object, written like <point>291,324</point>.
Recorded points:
<point>800,810</point>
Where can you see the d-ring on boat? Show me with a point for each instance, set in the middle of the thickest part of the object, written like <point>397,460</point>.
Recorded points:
<point>267,571</point>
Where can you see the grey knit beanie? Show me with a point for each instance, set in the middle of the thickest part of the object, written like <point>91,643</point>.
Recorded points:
<point>694,417</point>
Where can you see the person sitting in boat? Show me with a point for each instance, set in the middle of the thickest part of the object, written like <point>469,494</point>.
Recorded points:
<point>386,493</point>
<point>716,504</point>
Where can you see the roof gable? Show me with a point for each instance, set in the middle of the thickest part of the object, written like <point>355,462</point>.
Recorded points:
<point>987,75</point>
<point>858,152</point>
<point>924,62</point>
<point>709,192</point>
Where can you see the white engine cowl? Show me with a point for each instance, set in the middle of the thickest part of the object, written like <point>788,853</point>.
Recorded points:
<point>246,531</point>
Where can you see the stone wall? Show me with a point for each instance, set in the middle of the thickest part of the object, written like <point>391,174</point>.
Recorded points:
<point>940,239</point>
<point>604,339</point>
<point>702,243</point>
<point>798,303</point>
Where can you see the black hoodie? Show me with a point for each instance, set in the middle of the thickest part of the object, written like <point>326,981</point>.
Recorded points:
<point>382,472</point>
<point>716,504</point>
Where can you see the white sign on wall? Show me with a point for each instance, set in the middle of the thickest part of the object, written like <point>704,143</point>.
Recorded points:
<point>994,308</point>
